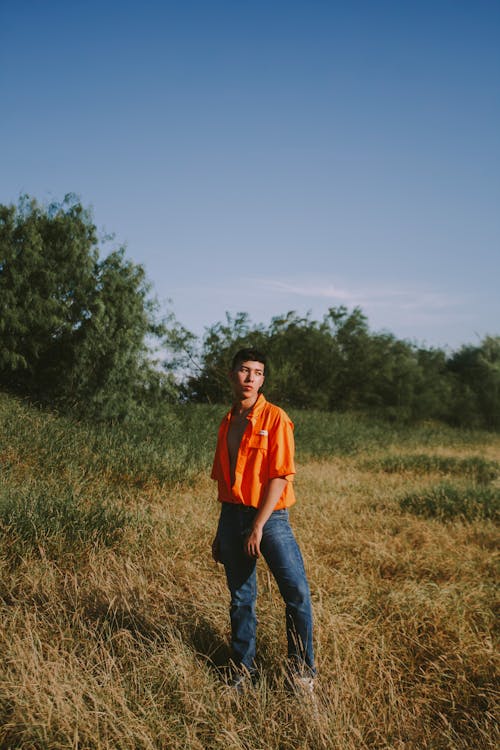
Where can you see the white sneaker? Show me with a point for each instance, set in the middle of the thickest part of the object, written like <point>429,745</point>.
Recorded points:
<point>302,685</point>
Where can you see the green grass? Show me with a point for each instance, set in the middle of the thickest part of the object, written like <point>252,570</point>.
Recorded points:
<point>448,502</point>
<point>170,447</point>
<point>174,445</point>
<point>114,619</point>
<point>37,518</point>
<point>475,468</point>
<point>327,434</point>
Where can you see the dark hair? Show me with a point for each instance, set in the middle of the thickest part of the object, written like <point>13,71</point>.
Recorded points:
<point>247,355</point>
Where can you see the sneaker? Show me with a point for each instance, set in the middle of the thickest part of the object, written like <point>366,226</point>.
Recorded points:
<point>240,680</point>
<point>301,685</point>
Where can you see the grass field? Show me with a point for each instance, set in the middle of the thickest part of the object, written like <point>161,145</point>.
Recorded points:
<point>114,619</point>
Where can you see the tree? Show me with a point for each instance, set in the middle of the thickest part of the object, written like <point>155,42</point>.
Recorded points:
<point>73,328</point>
<point>303,356</point>
<point>333,364</point>
<point>209,382</point>
<point>476,371</point>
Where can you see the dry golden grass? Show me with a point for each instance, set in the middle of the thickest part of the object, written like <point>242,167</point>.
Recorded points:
<point>120,647</point>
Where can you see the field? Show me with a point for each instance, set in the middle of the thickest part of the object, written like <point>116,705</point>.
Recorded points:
<point>114,619</point>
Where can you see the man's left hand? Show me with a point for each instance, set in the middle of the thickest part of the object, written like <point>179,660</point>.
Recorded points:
<point>252,543</point>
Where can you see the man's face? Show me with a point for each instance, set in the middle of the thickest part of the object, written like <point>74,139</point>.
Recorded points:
<point>247,379</point>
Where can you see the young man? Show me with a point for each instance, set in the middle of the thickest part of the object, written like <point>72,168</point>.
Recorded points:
<point>254,468</point>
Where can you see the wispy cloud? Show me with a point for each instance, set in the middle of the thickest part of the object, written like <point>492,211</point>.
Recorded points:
<point>311,289</point>
<point>377,296</point>
<point>405,309</point>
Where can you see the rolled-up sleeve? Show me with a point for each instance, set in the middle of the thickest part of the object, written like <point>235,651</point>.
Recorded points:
<point>281,448</point>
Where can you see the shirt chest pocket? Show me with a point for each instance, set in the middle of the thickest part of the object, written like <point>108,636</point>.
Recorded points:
<point>258,442</point>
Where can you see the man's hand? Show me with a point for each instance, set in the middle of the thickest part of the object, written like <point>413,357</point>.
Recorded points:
<point>274,491</point>
<point>216,549</point>
<point>252,542</point>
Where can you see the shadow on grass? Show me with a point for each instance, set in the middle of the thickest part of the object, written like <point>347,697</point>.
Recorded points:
<point>180,620</point>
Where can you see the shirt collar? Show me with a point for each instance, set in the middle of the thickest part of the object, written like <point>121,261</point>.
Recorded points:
<point>255,410</point>
<point>257,407</point>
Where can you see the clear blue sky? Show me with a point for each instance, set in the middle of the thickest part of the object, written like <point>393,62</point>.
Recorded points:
<point>269,156</point>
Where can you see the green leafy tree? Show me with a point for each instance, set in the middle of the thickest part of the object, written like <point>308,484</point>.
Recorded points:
<point>333,364</point>
<point>433,389</point>
<point>353,365</point>
<point>208,381</point>
<point>303,356</point>
<point>73,328</point>
<point>476,371</point>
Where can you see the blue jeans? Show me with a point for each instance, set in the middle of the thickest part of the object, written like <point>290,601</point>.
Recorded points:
<point>282,554</point>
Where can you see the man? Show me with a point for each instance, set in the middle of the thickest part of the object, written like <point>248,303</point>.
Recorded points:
<point>254,468</point>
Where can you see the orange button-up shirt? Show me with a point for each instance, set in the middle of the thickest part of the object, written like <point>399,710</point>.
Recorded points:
<point>266,451</point>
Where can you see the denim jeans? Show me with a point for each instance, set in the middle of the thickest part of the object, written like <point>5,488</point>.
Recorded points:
<point>282,554</point>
